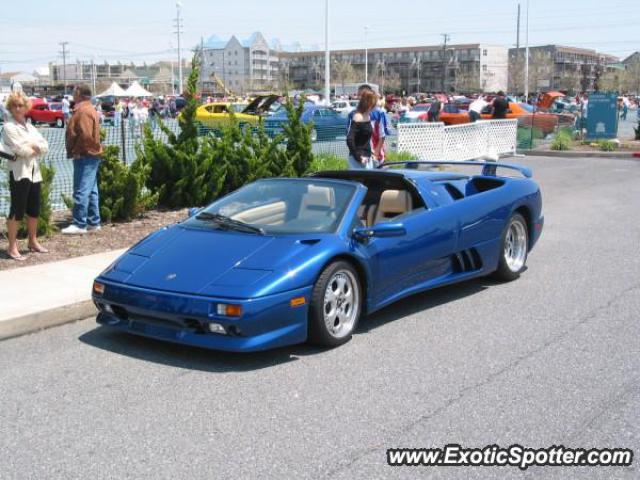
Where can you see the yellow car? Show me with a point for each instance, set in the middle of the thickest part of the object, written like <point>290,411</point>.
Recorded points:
<point>217,114</point>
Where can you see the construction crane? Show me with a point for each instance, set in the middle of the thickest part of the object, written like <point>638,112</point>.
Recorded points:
<point>221,85</point>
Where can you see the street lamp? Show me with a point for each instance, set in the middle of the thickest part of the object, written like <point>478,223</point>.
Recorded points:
<point>366,55</point>
<point>178,31</point>
<point>327,55</point>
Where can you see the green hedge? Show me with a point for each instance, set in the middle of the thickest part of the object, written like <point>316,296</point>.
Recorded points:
<point>123,195</point>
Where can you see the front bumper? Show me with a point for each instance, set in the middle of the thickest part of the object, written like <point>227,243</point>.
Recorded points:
<point>267,322</point>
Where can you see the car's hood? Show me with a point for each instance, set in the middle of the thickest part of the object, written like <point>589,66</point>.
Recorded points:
<point>206,262</point>
<point>260,104</point>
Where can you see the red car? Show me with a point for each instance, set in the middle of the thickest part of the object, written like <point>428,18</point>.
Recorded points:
<point>43,112</point>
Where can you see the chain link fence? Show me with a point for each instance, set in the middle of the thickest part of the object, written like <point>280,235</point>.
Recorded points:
<point>541,128</point>
<point>128,136</point>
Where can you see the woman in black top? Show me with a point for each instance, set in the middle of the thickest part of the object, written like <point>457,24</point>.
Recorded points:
<point>360,132</point>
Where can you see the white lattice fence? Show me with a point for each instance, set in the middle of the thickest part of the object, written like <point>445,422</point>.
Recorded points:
<point>421,139</point>
<point>434,141</point>
<point>463,142</point>
<point>502,135</point>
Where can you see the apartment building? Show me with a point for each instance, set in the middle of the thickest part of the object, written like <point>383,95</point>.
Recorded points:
<point>462,68</point>
<point>239,66</point>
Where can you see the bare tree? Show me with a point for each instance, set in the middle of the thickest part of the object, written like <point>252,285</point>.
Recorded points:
<point>571,80</point>
<point>344,72</point>
<point>467,80</point>
<point>541,70</point>
<point>631,78</point>
<point>610,80</point>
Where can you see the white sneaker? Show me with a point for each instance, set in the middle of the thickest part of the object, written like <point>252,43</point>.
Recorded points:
<point>74,230</point>
<point>93,228</point>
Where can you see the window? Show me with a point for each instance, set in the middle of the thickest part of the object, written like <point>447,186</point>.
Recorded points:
<point>484,68</point>
<point>484,52</point>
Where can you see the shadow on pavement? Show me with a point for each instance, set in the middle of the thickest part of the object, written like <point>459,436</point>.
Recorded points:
<point>423,301</point>
<point>195,358</point>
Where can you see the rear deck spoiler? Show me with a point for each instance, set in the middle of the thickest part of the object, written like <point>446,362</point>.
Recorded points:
<point>488,168</point>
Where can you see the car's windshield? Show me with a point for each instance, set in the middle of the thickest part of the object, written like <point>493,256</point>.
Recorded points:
<point>284,206</point>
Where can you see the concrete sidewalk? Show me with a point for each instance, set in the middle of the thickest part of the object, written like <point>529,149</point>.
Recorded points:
<point>41,296</point>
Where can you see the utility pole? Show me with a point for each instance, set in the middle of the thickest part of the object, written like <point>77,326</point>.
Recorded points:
<point>93,73</point>
<point>516,72</point>
<point>201,63</point>
<point>178,31</point>
<point>173,76</point>
<point>366,55</point>
<point>327,58</point>
<point>445,36</point>
<point>64,64</point>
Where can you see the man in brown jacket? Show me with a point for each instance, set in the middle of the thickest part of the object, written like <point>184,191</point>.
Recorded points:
<point>83,146</point>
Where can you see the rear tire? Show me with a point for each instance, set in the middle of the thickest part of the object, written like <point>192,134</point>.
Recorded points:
<point>513,249</point>
<point>314,135</point>
<point>336,305</point>
<point>59,122</point>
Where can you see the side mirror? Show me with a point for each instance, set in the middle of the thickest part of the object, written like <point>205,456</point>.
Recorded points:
<point>381,230</point>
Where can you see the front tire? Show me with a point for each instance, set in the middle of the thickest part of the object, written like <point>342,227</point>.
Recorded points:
<point>335,307</point>
<point>514,249</point>
<point>59,122</point>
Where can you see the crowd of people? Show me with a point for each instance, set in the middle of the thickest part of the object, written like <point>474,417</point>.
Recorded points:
<point>137,111</point>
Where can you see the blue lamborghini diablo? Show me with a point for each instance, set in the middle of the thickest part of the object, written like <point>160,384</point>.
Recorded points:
<point>287,260</point>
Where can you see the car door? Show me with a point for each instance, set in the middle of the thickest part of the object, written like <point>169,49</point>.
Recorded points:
<point>400,264</point>
<point>39,113</point>
<point>49,116</point>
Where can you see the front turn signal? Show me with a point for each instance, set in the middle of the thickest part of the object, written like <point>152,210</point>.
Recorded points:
<point>98,288</point>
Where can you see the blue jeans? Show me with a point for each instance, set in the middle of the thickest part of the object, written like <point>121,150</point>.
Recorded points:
<point>354,164</point>
<point>86,203</point>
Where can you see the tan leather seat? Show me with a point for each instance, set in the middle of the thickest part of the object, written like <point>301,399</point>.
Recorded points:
<point>269,214</point>
<point>392,203</point>
<point>317,202</point>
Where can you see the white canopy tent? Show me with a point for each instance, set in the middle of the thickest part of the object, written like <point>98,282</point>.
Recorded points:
<point>114,90</point>
<point>137,90</point>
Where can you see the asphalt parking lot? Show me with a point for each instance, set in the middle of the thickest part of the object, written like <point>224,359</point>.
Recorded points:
<point>550,359</point>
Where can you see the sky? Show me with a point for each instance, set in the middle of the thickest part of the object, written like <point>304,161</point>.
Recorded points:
<point>142,30</point>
